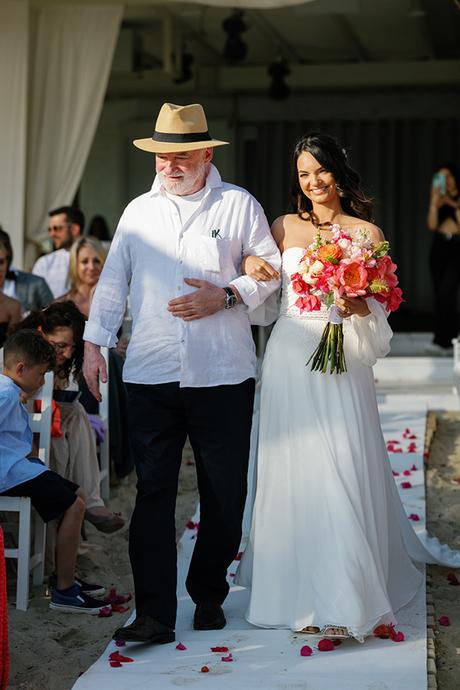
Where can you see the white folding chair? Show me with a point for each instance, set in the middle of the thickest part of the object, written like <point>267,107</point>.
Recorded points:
<point>30,552</point>
<point>104,446</point>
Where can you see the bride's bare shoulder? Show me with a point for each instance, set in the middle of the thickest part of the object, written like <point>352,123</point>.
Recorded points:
<point>284,226</point>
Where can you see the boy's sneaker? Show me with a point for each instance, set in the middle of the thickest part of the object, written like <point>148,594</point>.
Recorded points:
<point>86,587</point>
<point>75,601</point>
<point>92,589</point>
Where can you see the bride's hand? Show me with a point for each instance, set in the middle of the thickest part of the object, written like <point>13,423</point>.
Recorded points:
<point>257,268</point>
<point>349,306</point>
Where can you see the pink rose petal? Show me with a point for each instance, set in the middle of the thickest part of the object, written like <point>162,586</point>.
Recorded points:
<point>120,643</point>
<point>238,556</point>
<point>116,656</point>
<point>407,473</point>
<point>105,612</point>
<point>444,620</point>
<point>406,485</point>
<point>227,658</point>
<point>414,468</point>
<point>221,650</point>
<point>326,645</point>
<point>181,646</point>
<point>306,651</point>
<point>453,579</point>
<point>395,474</point>
<point>398,637</point>
<point>414,517</point>
<point>115,664</point>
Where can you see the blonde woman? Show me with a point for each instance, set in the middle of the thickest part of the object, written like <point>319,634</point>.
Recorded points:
<point>87,257</point>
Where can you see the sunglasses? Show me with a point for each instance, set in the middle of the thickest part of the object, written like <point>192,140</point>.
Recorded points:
<point>56,228</point>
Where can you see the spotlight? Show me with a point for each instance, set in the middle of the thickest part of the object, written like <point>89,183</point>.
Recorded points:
<point>278,89</point>
<point>235,48</point>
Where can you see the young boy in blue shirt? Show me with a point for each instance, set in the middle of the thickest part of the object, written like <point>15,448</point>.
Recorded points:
<point>27,356</point>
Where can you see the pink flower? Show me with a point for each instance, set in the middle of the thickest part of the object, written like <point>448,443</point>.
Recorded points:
<point>308,303</point>
<point>352,277</point>
<point>444,620</point>
<point>306,651</point>
<point>298,284</point>
<point>406,485</point>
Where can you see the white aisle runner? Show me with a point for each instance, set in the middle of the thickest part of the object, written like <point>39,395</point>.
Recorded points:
<point>271,659</point>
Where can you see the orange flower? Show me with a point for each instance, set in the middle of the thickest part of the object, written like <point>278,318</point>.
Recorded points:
<point>330,253</point>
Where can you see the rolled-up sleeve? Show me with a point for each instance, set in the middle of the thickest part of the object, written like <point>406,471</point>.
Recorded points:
<point>258,242</point>
<point>109,300</point>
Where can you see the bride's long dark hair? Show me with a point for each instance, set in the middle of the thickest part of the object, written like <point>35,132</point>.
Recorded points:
<point>333,158</point>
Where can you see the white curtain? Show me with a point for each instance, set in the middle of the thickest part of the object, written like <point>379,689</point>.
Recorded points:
<point>13,123</point>
<point>69,74</point>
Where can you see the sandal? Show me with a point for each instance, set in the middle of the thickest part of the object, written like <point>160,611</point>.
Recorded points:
<point>341,632</point>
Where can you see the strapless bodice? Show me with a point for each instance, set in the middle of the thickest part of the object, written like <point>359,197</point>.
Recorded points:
<point>290,262</point>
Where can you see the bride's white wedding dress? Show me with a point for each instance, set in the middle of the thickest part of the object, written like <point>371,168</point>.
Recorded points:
<point>330,543</point>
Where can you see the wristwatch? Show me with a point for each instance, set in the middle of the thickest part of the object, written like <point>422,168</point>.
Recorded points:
<point>230,298</point>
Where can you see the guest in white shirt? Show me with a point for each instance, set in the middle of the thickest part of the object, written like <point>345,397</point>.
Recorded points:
<point>190,363</point>
<point>65,225</point>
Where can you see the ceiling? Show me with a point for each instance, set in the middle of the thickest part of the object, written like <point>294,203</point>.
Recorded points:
<point>312,33</point>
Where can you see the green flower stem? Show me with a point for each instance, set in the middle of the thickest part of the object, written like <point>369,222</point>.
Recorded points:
<point>329,353</point>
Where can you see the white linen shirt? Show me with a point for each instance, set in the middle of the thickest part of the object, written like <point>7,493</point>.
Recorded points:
<point>54,268</point>
<point>151,254</point>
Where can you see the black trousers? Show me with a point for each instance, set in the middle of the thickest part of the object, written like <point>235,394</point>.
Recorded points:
<point>445,272</point>
<point>217,421</point>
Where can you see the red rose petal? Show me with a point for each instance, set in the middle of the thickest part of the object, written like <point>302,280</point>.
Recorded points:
<point>426,455</point>
<point>120,643</point>
<point>414,468</point>
<point>414,517</point>
<point>395,474</point>
<point>407,473</point>
<point>221,650</point>
<point>444,621</point>
<point>119,609</point>
<point>190,524</point>
<point>392,440</point>
<point>406,485</point>
<point>453,580</point>
<point>105,612</point>
<point>326,645</point>
<point>115,664</point>
<point>412,436</point>
<point>398,637</point>
<point>382,631</point>
<point>204,669</point>
<point>238,556</point>
<point>397,450</point>
<point>227,658</point>
<point>306,651</point>
<point>116,656</point>
<point>181,646</point>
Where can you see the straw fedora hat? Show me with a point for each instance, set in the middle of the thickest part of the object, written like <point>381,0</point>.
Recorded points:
<point>179,128</point>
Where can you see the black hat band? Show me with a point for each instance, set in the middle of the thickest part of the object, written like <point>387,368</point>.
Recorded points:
<point>181,138</point>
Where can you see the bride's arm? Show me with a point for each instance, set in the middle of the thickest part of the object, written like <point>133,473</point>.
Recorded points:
<point>258,268</point>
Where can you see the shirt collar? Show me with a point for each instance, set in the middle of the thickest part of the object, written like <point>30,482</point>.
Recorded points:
<point>213,180</point>
<point>7,381</point>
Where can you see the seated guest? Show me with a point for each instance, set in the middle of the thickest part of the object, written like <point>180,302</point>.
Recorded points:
<point>87,257</point>
<point>10,309</point>
<point>31,291</point>
<point>73,453</point>
<point>64,227</point>
<point>27,357</point>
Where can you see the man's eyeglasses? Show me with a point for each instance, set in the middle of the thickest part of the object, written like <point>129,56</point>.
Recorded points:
<point>56,228</point>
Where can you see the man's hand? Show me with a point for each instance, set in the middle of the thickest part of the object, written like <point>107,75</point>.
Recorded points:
<point>206,300</point>
<point>94,369</point>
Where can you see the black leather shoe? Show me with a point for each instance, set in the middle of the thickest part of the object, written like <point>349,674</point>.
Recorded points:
<point>209,616</point>
<point>145,629</point>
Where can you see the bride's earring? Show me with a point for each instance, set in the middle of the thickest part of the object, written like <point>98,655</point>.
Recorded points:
<point>340,191</point>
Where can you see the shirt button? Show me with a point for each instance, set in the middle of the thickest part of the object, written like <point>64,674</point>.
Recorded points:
<point>179,287</point>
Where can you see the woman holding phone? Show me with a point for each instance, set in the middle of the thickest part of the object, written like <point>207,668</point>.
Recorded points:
<point>444,221</point>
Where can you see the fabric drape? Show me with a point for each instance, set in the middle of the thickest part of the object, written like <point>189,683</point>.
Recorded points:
<point>13,113</point>
<point>72,60</point>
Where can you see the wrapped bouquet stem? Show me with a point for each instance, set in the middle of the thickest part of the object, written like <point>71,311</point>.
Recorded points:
<point>330,350</point>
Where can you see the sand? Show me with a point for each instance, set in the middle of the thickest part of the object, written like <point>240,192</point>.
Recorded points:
<point>50,650</point>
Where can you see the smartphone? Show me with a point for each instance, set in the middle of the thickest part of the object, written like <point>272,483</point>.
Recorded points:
<point>439,182</point>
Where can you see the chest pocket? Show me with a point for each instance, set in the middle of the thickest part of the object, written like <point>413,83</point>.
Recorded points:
<point>216,255</point>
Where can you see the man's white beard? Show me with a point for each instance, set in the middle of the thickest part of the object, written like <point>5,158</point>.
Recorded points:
<point>184,184</point>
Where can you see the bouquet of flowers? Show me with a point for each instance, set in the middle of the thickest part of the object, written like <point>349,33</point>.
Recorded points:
<point>338,267</point>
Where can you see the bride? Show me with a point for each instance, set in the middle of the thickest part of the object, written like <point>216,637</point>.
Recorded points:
<point>330,550</point>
